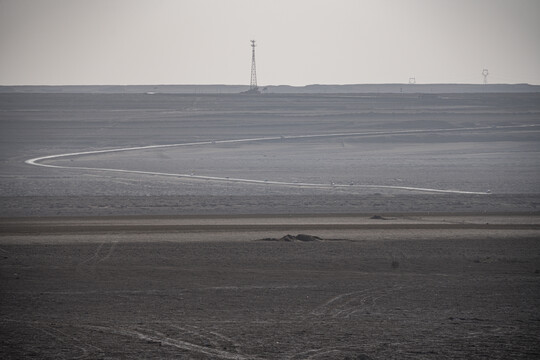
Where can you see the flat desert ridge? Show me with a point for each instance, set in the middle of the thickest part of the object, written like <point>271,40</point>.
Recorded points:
<point>381,226</point>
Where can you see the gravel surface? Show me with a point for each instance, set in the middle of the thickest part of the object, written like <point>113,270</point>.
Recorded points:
<point>456,289</point>
<point>102,264</point>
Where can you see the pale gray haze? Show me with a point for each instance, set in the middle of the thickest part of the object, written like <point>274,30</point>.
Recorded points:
<point>65,42</point>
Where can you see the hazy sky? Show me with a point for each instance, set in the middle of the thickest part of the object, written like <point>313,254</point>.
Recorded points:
<point>300,42</point>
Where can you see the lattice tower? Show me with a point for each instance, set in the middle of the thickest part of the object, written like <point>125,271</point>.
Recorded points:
<point>253,83</point>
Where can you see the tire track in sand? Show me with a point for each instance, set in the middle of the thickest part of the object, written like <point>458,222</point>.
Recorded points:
<point>346,304</point>
<point>154,336</point>
<point>88,267</point>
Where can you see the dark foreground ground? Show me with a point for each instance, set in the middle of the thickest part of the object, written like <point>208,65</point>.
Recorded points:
<point>402,287</point>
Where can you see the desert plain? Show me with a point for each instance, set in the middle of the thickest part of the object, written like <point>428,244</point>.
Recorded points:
<point>155,226</point>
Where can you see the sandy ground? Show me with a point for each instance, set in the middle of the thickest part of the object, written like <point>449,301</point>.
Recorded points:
<point>104,265</point>
<point>403,287</point>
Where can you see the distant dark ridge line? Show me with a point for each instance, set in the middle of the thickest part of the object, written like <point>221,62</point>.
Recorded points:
<point>276,89</point>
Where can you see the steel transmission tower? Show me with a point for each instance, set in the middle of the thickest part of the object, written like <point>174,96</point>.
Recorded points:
<point>253,84</point>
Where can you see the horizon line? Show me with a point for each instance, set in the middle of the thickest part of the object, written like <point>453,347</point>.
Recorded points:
<point>272,85</point>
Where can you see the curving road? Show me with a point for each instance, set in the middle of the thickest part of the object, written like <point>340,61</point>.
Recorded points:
<point>38,161</point>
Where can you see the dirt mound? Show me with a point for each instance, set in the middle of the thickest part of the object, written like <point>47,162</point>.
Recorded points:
<point>379,217</point>
<point>291,238</point>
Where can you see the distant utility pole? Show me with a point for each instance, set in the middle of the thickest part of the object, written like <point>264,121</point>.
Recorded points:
<point>485,73</point>
<point>253,84</point>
